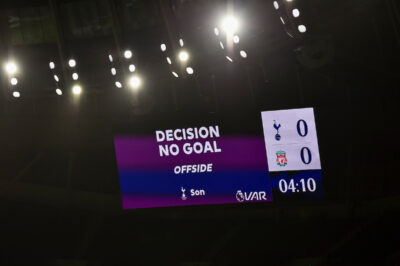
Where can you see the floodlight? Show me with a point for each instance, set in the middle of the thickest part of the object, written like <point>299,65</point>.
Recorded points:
<point>14,81</point>
<point>189,70</point>
<point>302,28</point>
<point>230,24</point>
<point>128,54</point>
<point>11,68</point>
<point>72,63</point>
<point>76,89</point>
<point>183,56</point>
<point>135,82</point>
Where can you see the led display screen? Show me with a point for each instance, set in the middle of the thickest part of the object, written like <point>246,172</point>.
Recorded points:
<point>203,165</point>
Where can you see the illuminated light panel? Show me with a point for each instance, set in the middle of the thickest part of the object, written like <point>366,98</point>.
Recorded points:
<point>128,54</point>
<point>72,63</point>
<point>302,28</point>
<point>14,81</point>
<point>189,70</point>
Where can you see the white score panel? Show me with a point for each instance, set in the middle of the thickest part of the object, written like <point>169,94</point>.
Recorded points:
<point>291,140</point>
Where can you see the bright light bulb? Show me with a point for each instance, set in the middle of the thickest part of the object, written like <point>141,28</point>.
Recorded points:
<point>189,70</point>
<point>56,78</point>
<point>132,68</point>
<point>295,12</point>
<point>16,94</point>
<point>118,84</point>
<point>127,54</point>
<point>236,39</point>
<point>58,91</point>
<point>243,54</point>
<point>183,56</point>
<point>169,60</point>
<point>221,44</point>
<point>14,81</point>
<point>72,63</point>
<point>216,31</point>
<point>11,68</point>
<point>181,42</point>
<point>113,71</point>
<point>175,74</point>
<point>163,47</point>
<point>283,22</point>
<point>230,25</point>
<point>110,58</point>
<point>52,65</point>
<point>75,76</point>
<point>229,59</point>
<point>135,82</point>
<point>76,90</point>
<point>276,5</point>
<point>302,28</point>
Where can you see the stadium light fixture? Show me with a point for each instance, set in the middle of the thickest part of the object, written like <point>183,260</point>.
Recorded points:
<point>230,24</point>
<point>128,54</point>
<point>77,89</point>
<point>11,68</point>
<point>72,63</point>
<point>183,56</point>
<point>135,82</point>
